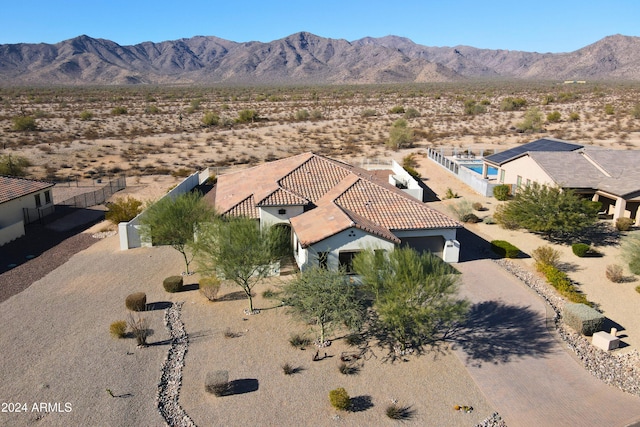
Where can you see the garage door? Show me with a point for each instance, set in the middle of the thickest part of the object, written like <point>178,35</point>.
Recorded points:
<point>433,244</point>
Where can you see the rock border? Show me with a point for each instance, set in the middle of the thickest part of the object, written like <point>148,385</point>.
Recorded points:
<point>171,377</point>
<point>619,370</point>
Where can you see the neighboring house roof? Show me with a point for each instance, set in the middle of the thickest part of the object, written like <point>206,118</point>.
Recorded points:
<point>338,196</point>
<point>13,188</point>
<point>613,171</point>
<point>544,144</point>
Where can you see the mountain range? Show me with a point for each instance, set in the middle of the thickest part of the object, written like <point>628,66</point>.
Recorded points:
<point>304,58</point>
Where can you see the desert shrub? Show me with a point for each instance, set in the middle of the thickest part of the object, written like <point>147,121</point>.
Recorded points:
<point>635,112</point>
<point>368,112</point>
<point>574,116</point>
<point>299,341</point>
<point>512,104</point>
<point>582,318</point>
<point>151,109</point>
<point>316,114</point>
<point>501,192</point>
<point>450,194</point>
<point>504,248</point>
<point>461,209</point>
<point>347,369</point>
<point>638,289</point>
<point>302,115</point>
<point>86,115</point>
<point>411,113</point>
<point>400,135</point>
<point>118,111</point>
<point>118,329</point>
<point>609,110</point>
<point>580,249</point>
<point>246,116</point>
<point>217,383</point>
<point>546,255</point>
<point>559,280</point>
<point>470,218</point>
<point>14,165</point>
<point>398,109</point>
<point>270,294</point>
<point>489,220</point>
<point>123,209</point>
<point>340,399</point>
<point>354,339</point>
<point>553,117</point>
<point>209,287</point>
<point>210,119</point>
<point>396,412</point>
<point>139,329</point>
<point>614,273</point>
<point>477,206</point>
<point>472,108</point>
<point>24,123</point>
<point>173,284</point>
<point>288,369</point>
<point>532,120</point>
<point>624,224</point>
<point>630,248</point>
<point>136,301</point>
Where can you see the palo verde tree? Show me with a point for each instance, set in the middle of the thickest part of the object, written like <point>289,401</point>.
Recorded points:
<point>414,295</point>
<point>13,165</point>
<point>173,221</point>
<point>545,209</point>
<point>325,298</point>
<point>239,250</point>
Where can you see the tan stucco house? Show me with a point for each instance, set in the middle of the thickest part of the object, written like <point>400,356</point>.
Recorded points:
<point>611,177</point>
<point>22,201</point>
<point>333,210</point>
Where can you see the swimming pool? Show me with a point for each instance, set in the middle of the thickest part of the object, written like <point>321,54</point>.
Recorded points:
<point>477,168</point>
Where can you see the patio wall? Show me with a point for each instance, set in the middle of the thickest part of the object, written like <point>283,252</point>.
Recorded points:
<point>480,185</point>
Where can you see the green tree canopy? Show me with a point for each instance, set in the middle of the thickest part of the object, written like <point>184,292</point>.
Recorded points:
<point>326,298</point>
<point>414,295</point>
<point>173,221</point>
<point>401,135</point>
<point>237,249</point>
<point>13,165</point>
<point>549,210</point>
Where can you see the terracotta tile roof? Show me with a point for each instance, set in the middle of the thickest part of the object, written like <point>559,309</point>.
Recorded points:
<point>282,197</point>
<point>390,208</point>
<point>247,208</point>
<point>13,188</point>
<point>315,177</point>
<point>345,196</point>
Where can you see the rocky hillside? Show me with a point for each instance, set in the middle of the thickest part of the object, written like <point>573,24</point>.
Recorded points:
<point>304,58</point>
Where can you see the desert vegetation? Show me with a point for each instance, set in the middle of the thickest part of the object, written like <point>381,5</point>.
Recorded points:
<point>67,132</point>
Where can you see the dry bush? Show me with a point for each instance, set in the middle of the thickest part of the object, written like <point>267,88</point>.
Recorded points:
<point>136,301</point>
<point>118,329</point>
<point>615,273</point>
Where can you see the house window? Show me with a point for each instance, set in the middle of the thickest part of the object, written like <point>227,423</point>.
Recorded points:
<point>501,176</point>
<point>528,182</point>
<point>323,258</point>
<point>282,211</point>
<point>519,181</point>
<point>346,261</point>
<point>47,197</point>
<point>38,201</point>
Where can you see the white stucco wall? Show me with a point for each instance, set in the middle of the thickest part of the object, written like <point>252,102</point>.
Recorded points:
<point>269,215</point>
<point>527,169</point>
<point>352,239</point>
<point>11,211</point>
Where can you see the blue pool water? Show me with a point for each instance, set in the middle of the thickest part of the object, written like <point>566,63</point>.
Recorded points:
<point>478,169</point>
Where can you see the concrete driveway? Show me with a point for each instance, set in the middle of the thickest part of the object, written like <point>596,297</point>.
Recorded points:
<point>520,363</point>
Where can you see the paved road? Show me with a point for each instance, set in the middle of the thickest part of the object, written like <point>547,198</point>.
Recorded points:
<point>520,364</point>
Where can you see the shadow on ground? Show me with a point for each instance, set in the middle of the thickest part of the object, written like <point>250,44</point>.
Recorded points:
<point>496,332</point>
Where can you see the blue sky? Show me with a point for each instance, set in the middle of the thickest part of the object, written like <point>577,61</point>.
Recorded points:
<point>536,26</point>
